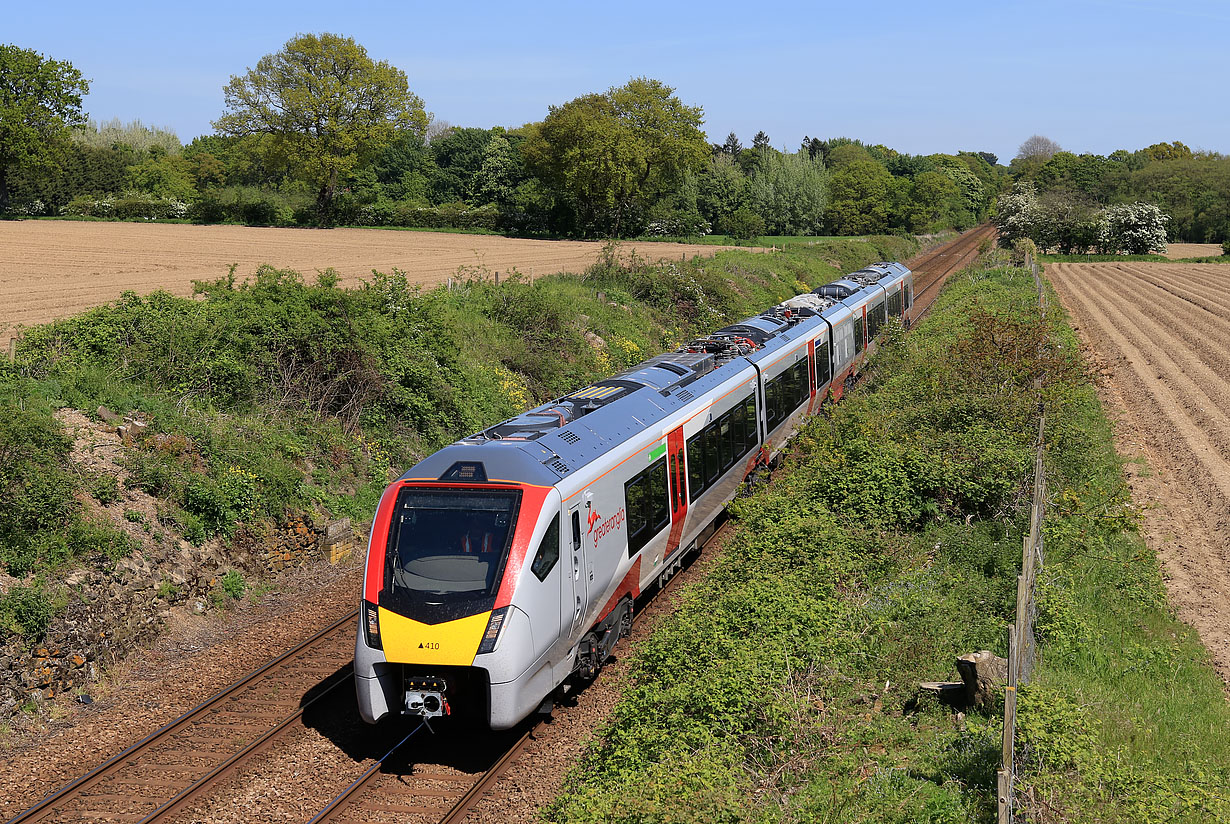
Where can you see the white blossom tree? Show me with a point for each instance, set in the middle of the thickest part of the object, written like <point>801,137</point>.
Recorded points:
<point>1133,229</point>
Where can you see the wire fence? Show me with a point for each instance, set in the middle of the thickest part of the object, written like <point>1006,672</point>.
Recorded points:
<point>1022,645</point>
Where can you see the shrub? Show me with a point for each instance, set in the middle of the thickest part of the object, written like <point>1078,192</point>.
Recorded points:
<point>1133,228</point>
<point>1225,247</point>
<point>744,224</point>
<point>27,610</point>
<point>1022,249</point>
<point>233,584</point>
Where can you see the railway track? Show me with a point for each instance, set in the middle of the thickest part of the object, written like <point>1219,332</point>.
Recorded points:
<point>932,268</point>
<point>156,777</point>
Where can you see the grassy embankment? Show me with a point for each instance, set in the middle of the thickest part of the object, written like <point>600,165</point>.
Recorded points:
<point>786,687</point>
<point>274,397</point>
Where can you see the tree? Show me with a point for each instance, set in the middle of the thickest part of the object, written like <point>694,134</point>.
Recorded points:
<point>1038,147</point>
<point>498,176</point>
<point>327,106</point>
<point>610,156</point>
<point>789,192</point>
<point>1032,154</point>
<point>1134,228</point>
<point>40,104</point>
<point>731,145</point>
<point>760,141</point>
<point>859,198</point>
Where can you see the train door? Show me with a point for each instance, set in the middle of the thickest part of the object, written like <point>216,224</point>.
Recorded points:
<point>677,474</point>
<point>576,588</point>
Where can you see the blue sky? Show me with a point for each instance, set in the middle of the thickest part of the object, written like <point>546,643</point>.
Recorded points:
<point>919,77</point>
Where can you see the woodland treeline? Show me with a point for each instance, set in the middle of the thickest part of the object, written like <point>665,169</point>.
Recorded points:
<point>629,161</point>
<point>1191,187</point>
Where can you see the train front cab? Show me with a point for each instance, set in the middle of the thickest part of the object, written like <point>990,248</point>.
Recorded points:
<point>463,602</point>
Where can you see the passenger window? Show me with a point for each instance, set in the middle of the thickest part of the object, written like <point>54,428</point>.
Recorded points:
<point>753,429</point>
<point>576,532</point>
<point>647,505</point>
<point>548,551</point>
<point>823,368</point>
<point>713,464</point>
<point>724,442</point>
<point>696,465</point>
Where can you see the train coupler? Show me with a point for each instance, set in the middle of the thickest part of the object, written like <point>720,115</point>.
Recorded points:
<point>425,698</point>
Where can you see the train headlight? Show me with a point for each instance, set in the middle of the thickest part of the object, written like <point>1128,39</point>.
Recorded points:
<point>495,625</point>
<point>371,626</point>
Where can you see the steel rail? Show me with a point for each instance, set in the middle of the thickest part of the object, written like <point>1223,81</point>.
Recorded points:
<point>182,722</point>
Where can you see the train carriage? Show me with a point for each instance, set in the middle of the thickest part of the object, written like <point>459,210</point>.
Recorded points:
<point>505,567</point>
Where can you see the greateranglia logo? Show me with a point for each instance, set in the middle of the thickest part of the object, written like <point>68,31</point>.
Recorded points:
<point>600,528</point>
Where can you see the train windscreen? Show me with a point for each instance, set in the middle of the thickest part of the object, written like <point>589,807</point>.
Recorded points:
<point>449,545</point>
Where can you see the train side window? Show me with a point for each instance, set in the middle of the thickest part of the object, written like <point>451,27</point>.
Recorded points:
<point>696,464</point>
<point>725,442</point>
<point>738,431</point>
<point>548,551</point>
<point>576,532</point>
<point>648,508</point>
<point>713,464</point>
<point>753,430</point>
<point>858,334</point>
<point>823,368</point>
<point>909,295</point>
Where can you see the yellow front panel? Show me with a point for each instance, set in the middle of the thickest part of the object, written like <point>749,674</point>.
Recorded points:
<point>453,643</point>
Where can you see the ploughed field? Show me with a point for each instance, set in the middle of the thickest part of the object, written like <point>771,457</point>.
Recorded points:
<point>1160,335</point>
<point>55,269</point>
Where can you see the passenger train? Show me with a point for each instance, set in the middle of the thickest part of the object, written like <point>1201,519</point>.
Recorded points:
<point>503,568</point>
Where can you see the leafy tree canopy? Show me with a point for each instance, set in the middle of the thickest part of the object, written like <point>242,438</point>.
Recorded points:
<point>327,105</point>
<point>611,155</point>
<point>40,104</point>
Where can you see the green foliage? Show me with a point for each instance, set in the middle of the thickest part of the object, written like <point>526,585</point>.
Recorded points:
<point>40,103</point>
<point>859,198</point>
<point>233,584</point>
<point>744,224</point>
<point>27,610</point>
<point>105,488</point>
<point>609,156</point>
<point>327,106</point>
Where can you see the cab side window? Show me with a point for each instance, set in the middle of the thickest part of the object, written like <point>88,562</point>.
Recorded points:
<point>548,551</point>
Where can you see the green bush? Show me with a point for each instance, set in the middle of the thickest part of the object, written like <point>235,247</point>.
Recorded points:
<point>233,584</point>
<point>27,610</point>
<point>744,224</point>
<point>1225,247</point>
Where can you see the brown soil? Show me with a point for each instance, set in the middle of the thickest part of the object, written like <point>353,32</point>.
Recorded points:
<point>1160,333</point>
<point>1190,250</point>
<point>54,269</point>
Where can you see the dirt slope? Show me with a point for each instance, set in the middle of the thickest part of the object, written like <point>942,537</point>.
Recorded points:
<point>1161,334</point>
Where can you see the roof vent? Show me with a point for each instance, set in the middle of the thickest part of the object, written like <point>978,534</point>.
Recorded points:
<point>560,467</point>
<point>569,437</point>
